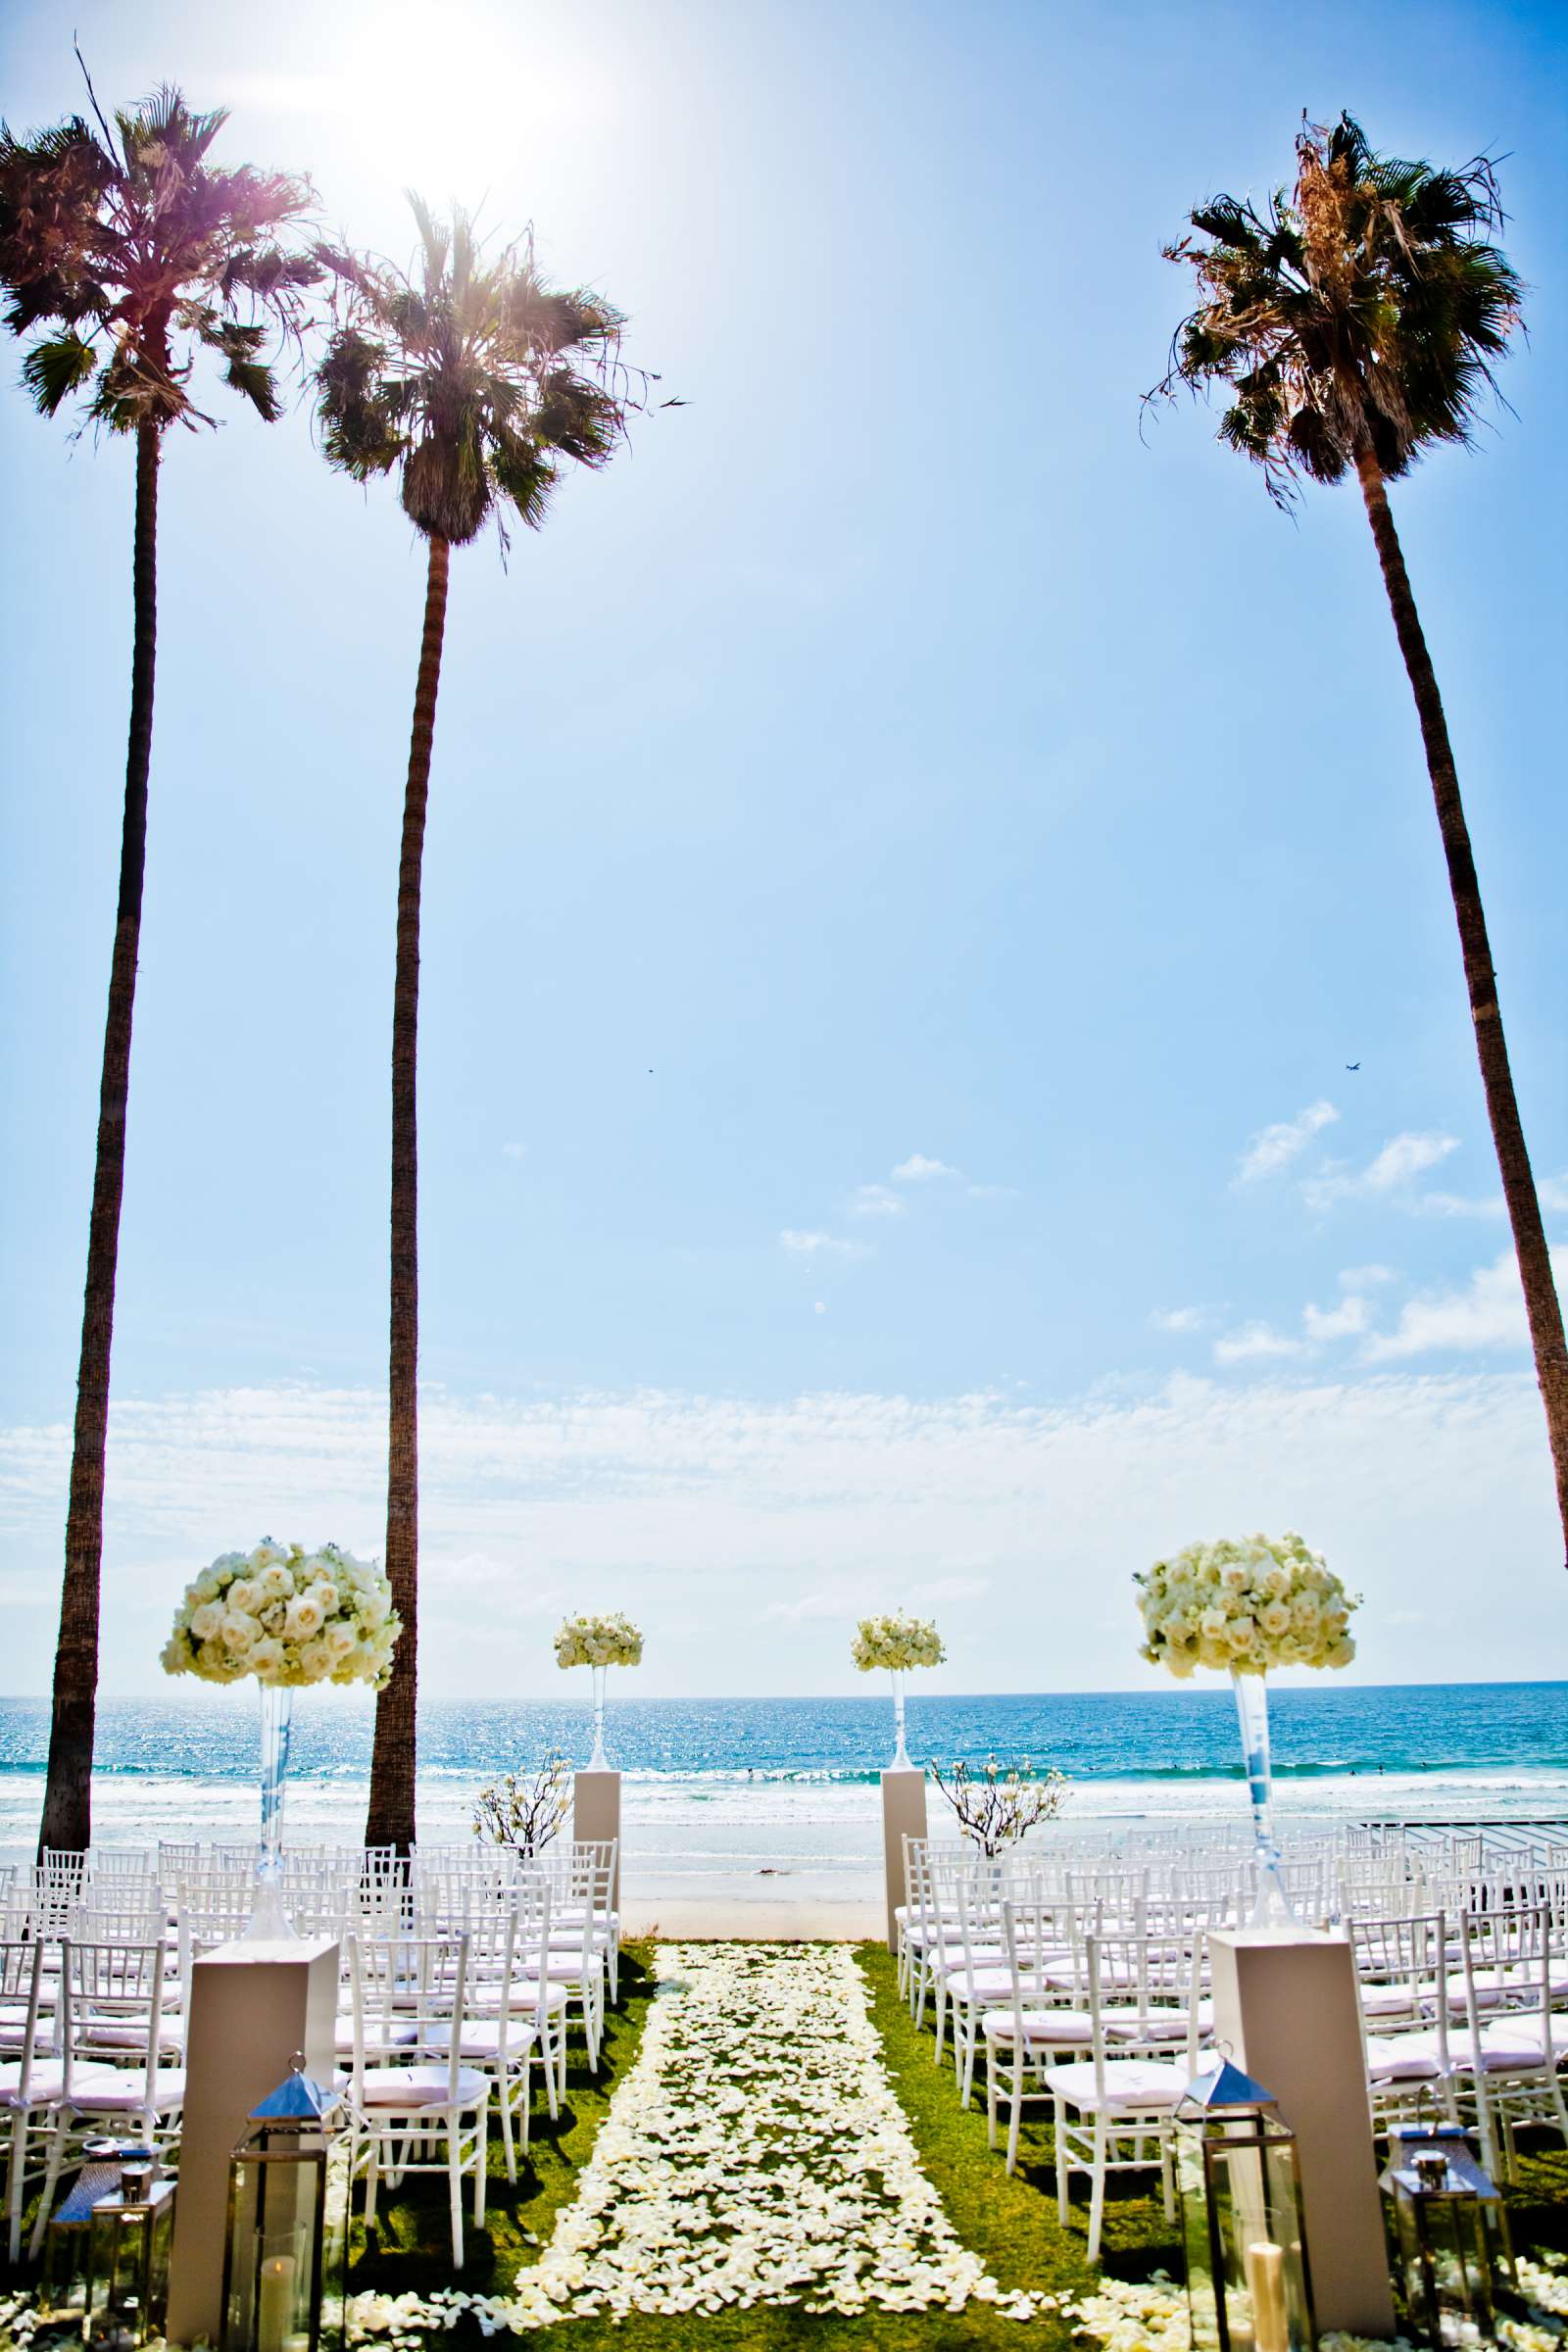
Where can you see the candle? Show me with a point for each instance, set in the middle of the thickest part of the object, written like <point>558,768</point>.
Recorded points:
<point>1266,2284</point>
<point>274,2311</point>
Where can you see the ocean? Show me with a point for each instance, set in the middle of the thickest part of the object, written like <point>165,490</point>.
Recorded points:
<point>775,1796</point>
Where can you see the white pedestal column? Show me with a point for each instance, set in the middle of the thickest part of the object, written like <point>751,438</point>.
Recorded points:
<point>253,2008</point>
<point>902,1816</point>
<point>1287,2010</point>
<point>596,1813</point>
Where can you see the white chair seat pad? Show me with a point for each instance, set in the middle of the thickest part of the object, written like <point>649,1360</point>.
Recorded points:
<point>1157,2026</point>
<point>115,2090</point>
<point>1048,2028</point>
<point>1133,2085</point>
<point>989,1983</point>
<point>403,2089</point>
<point>46,2086</point>
<point>1400,2058</point>
<point>483,2043</point>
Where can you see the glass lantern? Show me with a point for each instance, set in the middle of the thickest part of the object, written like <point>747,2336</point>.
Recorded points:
<point>62,2288</point>
<point>1450,2232</point>
<point>129,2235</point>
<point>287,2242</point>
<point>1248,2286</point>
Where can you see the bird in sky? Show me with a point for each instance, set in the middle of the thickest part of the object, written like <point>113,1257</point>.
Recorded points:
<point>1352,1065</point>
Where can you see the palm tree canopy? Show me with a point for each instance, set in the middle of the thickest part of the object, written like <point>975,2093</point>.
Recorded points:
<point>1363,311</point>
<point>132,252</point>
<point>472,377</point>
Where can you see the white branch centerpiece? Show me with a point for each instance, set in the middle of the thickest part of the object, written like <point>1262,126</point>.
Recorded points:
<point>1244,1606</point>
<point>997,1804</point>
<point>600,1643</point>
<point>285,1617</point>
<point>898,1644</point>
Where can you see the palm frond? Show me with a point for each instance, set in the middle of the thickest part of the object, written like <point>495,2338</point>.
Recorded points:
<point>52,369</point>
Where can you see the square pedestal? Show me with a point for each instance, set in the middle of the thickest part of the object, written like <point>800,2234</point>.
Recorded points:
<point>254,2007</point>
<point>596,1813</point>
<point>1288,2012</point>
<point>902,1816</point>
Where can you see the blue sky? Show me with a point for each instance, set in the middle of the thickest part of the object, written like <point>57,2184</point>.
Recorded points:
<point>910,863</point>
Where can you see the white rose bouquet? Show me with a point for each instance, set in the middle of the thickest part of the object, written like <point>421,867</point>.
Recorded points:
<point>896,1644</point>
<point>1242,1606</point>
<point>598,1641</point>
<point>286,1616</point>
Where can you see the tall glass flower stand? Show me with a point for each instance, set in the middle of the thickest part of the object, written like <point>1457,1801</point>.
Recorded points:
<point>1271,1907</point>
<point>269,1921</point>
<point>599,1761</point>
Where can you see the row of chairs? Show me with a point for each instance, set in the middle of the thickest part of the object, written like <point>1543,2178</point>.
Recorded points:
<point>1083,1989</point>
<point>462,1977</point>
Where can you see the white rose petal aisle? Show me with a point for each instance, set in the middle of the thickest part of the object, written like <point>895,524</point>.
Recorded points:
<point>1244,1606</point>
<point>600,1643</point>
<point>756,2153</point>
<point>287,1617</point>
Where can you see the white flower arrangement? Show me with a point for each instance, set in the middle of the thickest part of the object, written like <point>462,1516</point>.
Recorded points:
<point>589,1640</point>
<point>288,1616</point>
<point>1244,1604</point>
<point>895,1642</point>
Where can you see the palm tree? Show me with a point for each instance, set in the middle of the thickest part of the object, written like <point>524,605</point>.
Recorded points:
<point>132,253</point>
<point>1355,322</point>
<point>471,379</point>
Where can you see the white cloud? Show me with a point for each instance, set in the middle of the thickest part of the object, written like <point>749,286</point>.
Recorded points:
<point>1179,1318</point>
<point>1487,1313</point>
<point>1274,1148</point>
<point>1342,1322</point>
<point>818,1244</point>
<point>1452,1204</point>
<point>1553,1191</point>
<point>918,1170</point>
<point>993,1191</point>
<point>1402,1159</point>
<point>875,1201</point>
<point>1253,1343</point>
<point>819,1306</point>
<point>1364,1277</point>
<point>514,1151</point>
<point>699,1514</point>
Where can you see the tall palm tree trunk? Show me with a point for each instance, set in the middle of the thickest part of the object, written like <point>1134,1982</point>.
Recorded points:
<point>1541,1304</point>
<point>390,1818</point>
<point>67,1789</point>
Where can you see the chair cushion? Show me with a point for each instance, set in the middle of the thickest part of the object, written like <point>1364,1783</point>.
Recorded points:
<point>1049,2028</point>
<point>1133,2085</point>
<point>986,1983</point>
<point>47,2085</point>
<point>1156,2025</point>
<point>1400,2058</point>
<point>403,2089</point>
<point>481,2041</point>
<point>115,2090</point>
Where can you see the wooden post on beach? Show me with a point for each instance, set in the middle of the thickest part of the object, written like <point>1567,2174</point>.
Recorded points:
<point>596,1813</point>
<point>254,2007</point>
<point>1288,2011</point>
<point>902,1816</point>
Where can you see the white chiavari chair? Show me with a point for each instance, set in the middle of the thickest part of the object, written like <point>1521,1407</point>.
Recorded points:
<point>30,2081</point>
<point>1035,2026</point>
<point>426,2110</point>
<point>1402,1970</point>
<point>1113,2111</point>
<point>113,2046</point>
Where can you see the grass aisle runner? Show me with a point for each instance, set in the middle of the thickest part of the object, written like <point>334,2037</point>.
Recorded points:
<point>754,2154</point>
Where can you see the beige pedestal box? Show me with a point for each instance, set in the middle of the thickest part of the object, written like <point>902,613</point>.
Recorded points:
<point>902,1816</point>
<point>596,1813</point>
<point>254,2007</point>
<point>1287,2010</point>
